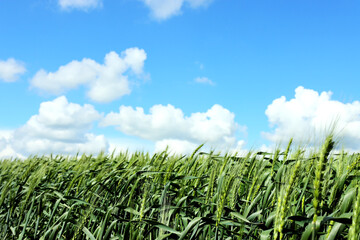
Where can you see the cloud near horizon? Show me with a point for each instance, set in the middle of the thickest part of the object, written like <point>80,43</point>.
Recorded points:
<point>167,125</point>
<point>310,115</point>
<point>60,127</point>
<point>164,9</point>
<point>65,128</point>
<point>11,69</point>
<point>106,82</point>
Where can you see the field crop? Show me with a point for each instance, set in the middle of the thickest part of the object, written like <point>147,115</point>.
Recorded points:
<point>281,195</point>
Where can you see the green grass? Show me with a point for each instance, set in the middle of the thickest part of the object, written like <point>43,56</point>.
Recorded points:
<point>279,195</point>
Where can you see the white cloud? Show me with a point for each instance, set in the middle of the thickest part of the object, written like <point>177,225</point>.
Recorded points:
<point>130,145</point>
<point>79,4</point>
<point>175,146</point>
<point>163,9</point>
<point>204,80</point>
<point>238,149</point>
<point>6,151</point>
<point>187,147</point>
<point>60,127</point>
<point>3,143</point>
<point>106,82</point>
<point>5,134</point>
<point>168,125</point>
<point>11,69</point>
<point>309,115</point>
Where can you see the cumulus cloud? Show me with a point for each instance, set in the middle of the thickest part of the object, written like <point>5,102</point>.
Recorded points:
<point>60,127</point>
<point>6,151</point>
<point>204,80</point>
<point>3,143</point>
<point>175,146</point>
<point>106,82</point>
<point>239,148</point>
<point>11,69</point>
<point>168,125</point>
<point>79,4</point>
<point>129,144</point>
<point>164,9</point>
<point>312,114</point>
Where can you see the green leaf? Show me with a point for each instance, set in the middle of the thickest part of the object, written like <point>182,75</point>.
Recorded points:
<point>167,228</point>
<point>131,210</point>
<point>348,200</point>
<point>191,224</point>
<point>266,235</point>
<point>239,216</point>
<point>254,215</point>
<point>338,227</point>
<point>299,219</point>
<point>109,230</point>
<point>88,233</point>
<point>162,226</point>
<point>104,223</point>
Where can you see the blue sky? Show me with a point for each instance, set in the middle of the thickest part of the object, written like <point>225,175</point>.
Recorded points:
<point>211,71</point>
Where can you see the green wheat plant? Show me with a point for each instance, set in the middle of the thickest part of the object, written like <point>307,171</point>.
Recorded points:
<point>290,193</point>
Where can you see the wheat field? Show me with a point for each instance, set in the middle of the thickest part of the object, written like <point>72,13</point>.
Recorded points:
<point>286,194</point>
